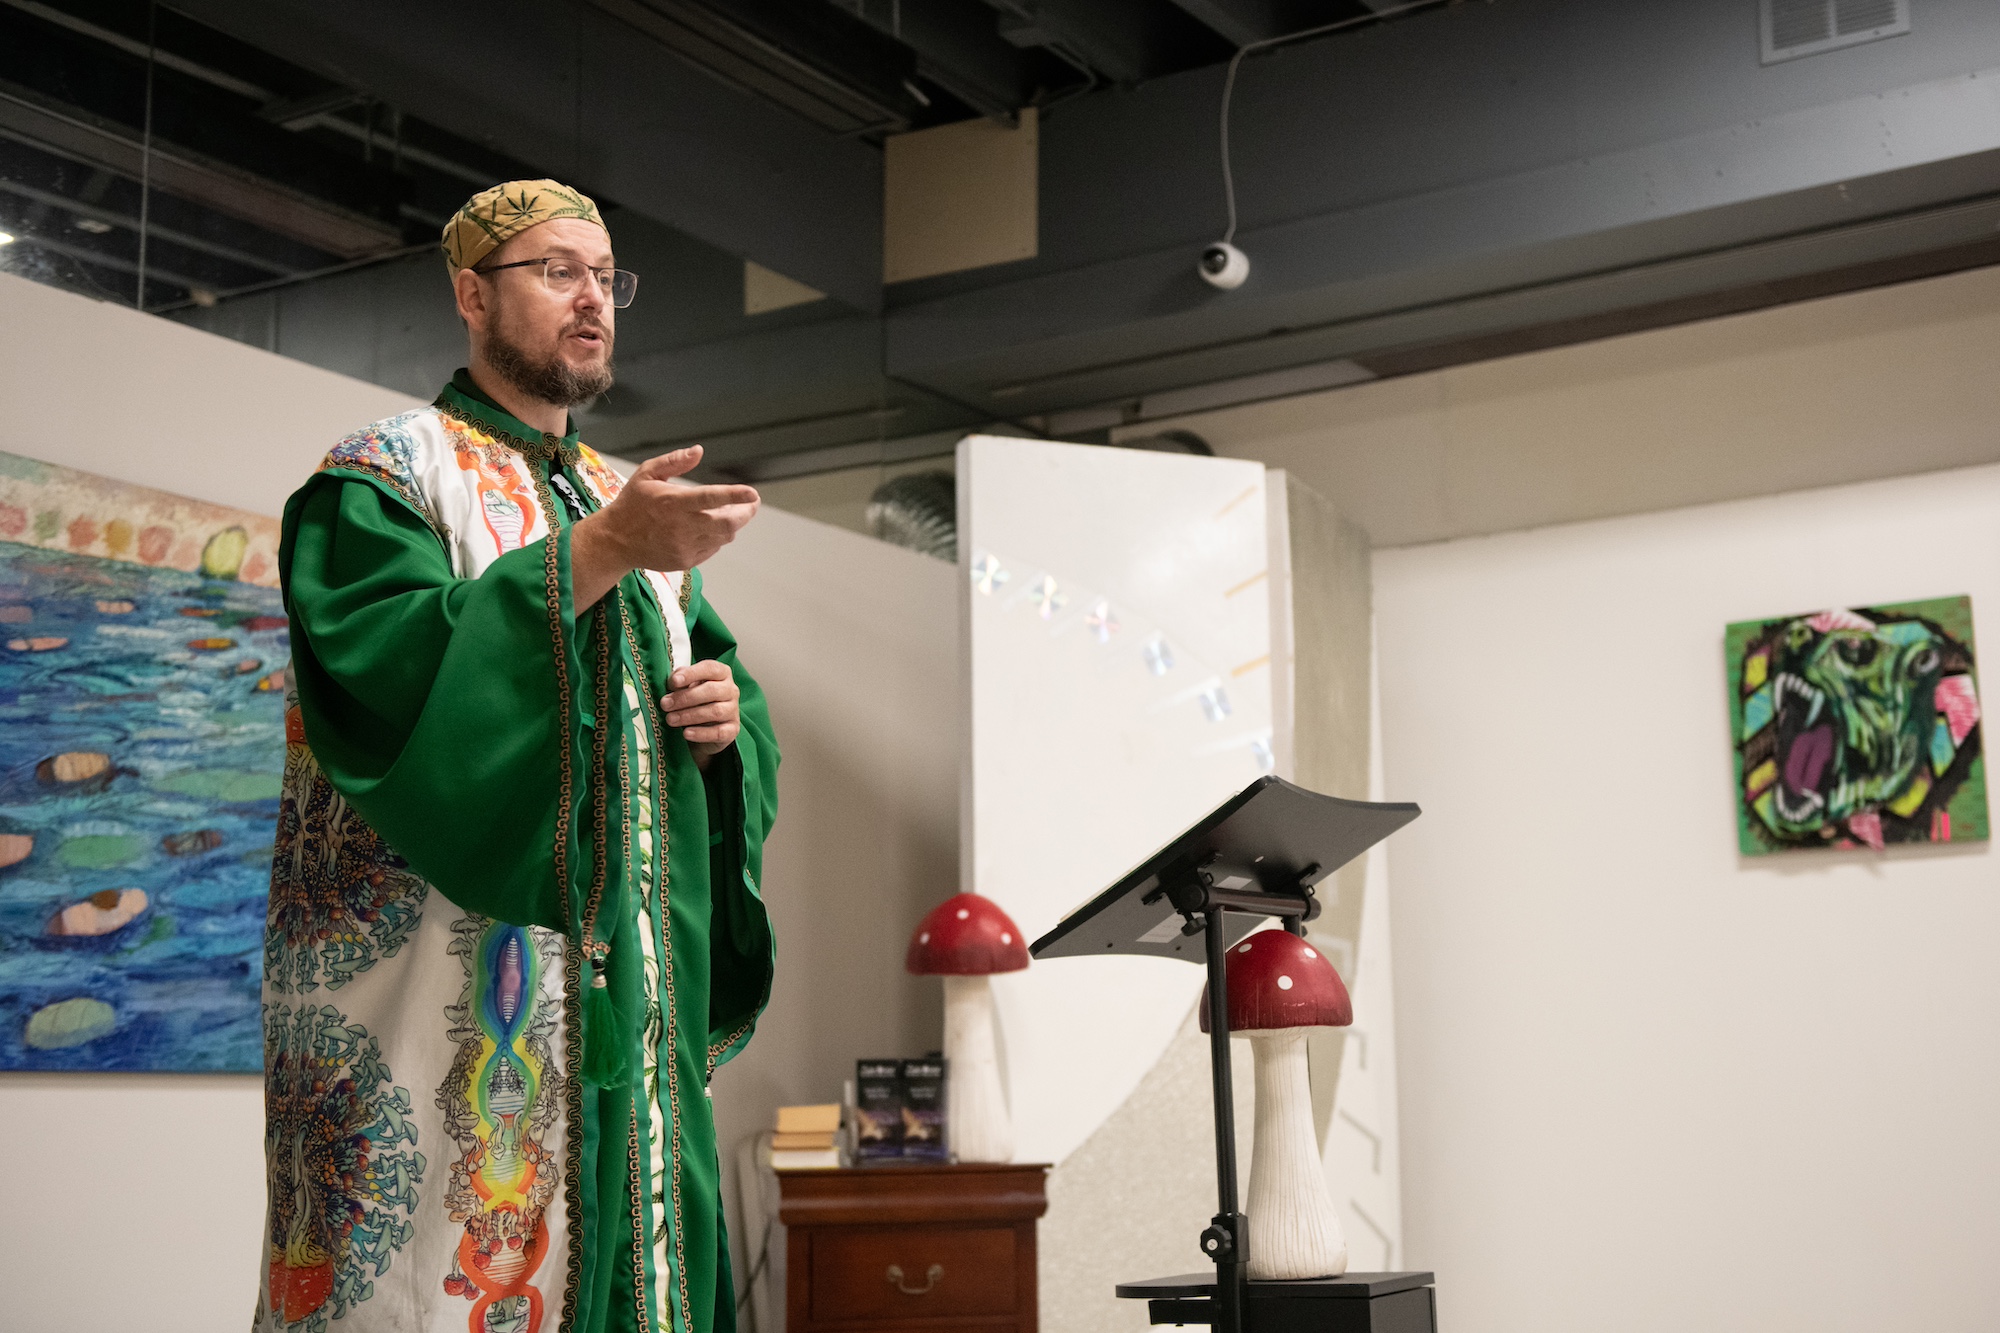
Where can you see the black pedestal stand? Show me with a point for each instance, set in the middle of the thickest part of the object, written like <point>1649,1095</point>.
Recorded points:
<point>1227,1240</point>
<point>1259,854</point>
<point>1354,1303</point>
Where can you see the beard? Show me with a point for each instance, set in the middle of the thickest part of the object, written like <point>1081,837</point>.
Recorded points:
<point>550,379</point>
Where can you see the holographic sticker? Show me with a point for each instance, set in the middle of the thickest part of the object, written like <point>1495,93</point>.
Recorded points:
<point>1047,598</point>
<point>988,575</point>
<point>1159,657</point>
<point>1102,623</point>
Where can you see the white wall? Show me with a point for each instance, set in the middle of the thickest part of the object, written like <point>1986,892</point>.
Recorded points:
<point>1870,384</point>
<point>1363,1147</point>
<point>104,389</point>
<point>1647,1084</point>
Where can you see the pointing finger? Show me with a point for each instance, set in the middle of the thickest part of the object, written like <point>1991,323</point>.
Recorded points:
<point>715,497</point>
<point>733,517</point>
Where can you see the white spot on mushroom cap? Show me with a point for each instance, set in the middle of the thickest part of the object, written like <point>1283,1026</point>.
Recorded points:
<point>1284,983</point>
<point>924,938</point>
<point>1309,953</point>
<point>1244,949</point>
<point>1006,937</point>
<point>963,914</point>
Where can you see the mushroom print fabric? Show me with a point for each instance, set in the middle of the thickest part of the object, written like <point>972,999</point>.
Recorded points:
<point>1857,728</point>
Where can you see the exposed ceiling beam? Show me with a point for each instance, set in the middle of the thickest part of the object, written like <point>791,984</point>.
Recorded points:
<point>1126,41</point>
<point>1242,22</point>
<point>475,177</point>
<point>90,140</point>
<point>644,127</point>
<point>958,49</point>
<point>117,264</point>
<point>67,90</point>
<point>298,113</point>
<point>126,222</point>
<point>134,47</point>
<point>815,60</point>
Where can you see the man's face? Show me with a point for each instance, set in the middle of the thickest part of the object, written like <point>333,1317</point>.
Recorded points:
<point>554,345</point>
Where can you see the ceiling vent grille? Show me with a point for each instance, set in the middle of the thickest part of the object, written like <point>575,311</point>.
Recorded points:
<point>1794,28</point>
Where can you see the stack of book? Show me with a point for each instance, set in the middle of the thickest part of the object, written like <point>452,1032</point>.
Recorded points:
<point>807,1138</point>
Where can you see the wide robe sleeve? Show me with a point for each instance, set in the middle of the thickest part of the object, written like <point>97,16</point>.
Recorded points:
<point>434,703</point>
<point>742,785</point>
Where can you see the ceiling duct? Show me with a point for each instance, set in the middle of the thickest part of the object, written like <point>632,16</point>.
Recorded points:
<point>95,141</point>
<point>919,511</point>
<point>815,60</point>
<point>1794,28</point>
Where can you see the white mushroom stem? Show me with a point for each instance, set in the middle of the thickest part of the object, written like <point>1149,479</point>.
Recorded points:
<point>977,1113</point>
<point>1294,1231</point>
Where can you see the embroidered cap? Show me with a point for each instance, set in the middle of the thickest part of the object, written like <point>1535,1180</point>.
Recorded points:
<point>493,217</point>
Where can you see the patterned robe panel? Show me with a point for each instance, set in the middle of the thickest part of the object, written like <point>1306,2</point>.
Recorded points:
<point>416,1133</point>
<point>478,492</point>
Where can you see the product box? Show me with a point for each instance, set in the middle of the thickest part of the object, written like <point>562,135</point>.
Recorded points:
<point>925,1127</point>
<point>878,1112</point>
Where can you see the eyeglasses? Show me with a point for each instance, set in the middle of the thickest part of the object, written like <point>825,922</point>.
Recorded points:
<point>565,276</point>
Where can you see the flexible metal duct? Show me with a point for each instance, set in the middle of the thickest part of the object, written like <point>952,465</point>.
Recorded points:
<point>918,510</point>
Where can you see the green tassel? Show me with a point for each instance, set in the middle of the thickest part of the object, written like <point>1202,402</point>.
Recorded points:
<point>607,1039</point>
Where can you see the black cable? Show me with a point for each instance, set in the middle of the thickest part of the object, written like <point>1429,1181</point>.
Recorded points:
<point>292,280</point>
<point>146,154</point>
<point>756,1269</point>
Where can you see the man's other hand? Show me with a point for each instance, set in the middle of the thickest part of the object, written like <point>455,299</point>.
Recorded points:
<point>702,700</point>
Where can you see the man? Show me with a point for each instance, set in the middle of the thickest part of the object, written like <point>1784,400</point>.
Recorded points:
<point>514,920</point>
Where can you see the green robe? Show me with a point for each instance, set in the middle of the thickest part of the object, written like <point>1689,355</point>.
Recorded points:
<point>479,725</point>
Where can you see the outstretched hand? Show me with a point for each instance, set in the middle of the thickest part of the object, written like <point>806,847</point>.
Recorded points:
<point>656,522</point>
<point>703,700</point>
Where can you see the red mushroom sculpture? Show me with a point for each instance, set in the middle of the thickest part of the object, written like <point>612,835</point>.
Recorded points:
<point>1280,987</point>
<point>965,940</point>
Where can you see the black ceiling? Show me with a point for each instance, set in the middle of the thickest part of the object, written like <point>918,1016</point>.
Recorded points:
<point>261,172</point>
<point>264,172</point>
<point>1437,182</point>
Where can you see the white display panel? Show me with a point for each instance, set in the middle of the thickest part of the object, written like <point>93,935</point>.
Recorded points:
<point>1117,621</point>
<point>1364,1152</point>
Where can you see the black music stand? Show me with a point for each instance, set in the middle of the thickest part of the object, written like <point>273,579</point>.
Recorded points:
<point>1260,853</point>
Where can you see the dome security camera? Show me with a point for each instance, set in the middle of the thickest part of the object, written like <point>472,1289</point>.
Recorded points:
<point>1223,265</point>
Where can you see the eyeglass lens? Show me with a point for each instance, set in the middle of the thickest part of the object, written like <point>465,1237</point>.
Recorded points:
<point>618,285</point>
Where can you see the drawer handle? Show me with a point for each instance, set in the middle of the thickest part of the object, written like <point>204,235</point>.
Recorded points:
<point>932,1277</point>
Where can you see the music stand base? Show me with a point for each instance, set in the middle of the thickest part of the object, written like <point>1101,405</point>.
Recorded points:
<point>1356,1303</point>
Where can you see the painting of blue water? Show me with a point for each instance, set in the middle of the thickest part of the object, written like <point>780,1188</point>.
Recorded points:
<point>141,748</point>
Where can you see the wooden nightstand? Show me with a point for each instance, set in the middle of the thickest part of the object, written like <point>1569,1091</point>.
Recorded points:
<point>911,1248</point>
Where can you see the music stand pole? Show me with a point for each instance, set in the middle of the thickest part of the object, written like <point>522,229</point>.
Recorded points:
<point>1227,1239</point>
